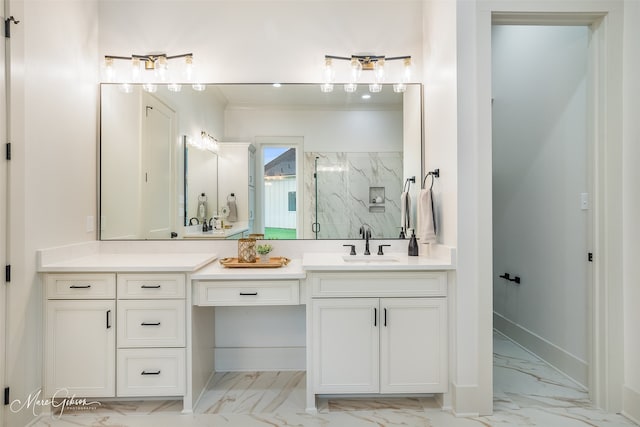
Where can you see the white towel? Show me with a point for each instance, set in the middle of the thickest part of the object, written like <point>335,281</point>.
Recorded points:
<point>426,217</point>
<point>233,209</point>
<point>405,211</point>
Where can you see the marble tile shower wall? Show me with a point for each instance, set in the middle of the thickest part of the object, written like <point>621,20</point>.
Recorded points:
<point>347,183</point>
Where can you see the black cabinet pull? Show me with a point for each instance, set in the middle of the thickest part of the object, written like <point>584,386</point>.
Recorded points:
<point>385,317</point>
<point>150,324</point>
<point>245,294</point>
<point>375,317</point>
<point>150,286</point>
<point>150,372</point>
<point>80,286</point>
<point>108,319</point>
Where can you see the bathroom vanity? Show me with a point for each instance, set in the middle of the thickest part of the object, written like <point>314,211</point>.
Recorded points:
<point>139,325</point>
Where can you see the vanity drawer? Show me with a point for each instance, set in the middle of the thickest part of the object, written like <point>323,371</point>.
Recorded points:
<point>159,323</point>
<point>138,286</point>
<point>80,286</point>
<point>243,293</point>
<point>151,372</point>
<point>380,284</point>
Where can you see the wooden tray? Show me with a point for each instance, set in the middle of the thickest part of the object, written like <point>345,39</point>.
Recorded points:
<point>274,262</point>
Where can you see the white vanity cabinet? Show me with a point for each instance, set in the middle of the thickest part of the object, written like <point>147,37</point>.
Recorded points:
<point>115,334</point>
<point>151,334</point>
<point>380,332</point>
<point>237,175</point>
<point>80,337</point>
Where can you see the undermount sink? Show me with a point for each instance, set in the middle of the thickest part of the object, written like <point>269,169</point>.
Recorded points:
<point>370,258</point>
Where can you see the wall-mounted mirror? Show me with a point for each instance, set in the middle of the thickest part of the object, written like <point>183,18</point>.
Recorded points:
<point>289,162</point>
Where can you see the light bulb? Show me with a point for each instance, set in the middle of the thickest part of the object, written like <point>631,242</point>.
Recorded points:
<point>356,70</point>
<point>198,87</point>
<point>109,70</point>
<point>174,87</point>
<point>326,87</point>
<point>350,87</point>
<point>161,68</point>
<point>150,87</point>
<point>135,69</point>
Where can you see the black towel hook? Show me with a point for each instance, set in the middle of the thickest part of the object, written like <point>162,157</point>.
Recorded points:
<point>434,174</point>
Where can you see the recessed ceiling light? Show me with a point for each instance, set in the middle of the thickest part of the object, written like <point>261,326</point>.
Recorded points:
<point>277,85</point>
<point>366,96</point>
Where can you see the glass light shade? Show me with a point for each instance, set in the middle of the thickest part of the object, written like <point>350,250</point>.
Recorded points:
<point>161,68</point>
<point>406,73</point>
<point>150,87</point>
<point>174,87</point>
<point>356,70</point>
<point>109,70</point>
<point>326,87</point>
<point>188,68</point>
<point>375,88</point>
<point>328,73</point>
<point>350,87</point>
<point>135,69</point>
<point>399,87</point>
<point>378,70</point>
<point>198,87</point>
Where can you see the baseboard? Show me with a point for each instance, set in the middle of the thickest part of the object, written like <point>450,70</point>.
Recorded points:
<point>463,399</point>
<point>229,359</point>
<point>631,404</point>
<point>568,364</point>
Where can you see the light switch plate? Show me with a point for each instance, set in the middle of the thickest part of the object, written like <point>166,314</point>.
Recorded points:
<point>90,222</point>
<point>584,201</point>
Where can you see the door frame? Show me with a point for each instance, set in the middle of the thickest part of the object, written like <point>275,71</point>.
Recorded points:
<point>605,101</point>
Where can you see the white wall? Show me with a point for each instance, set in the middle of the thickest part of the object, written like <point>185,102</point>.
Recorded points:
<point>631,207</point>
<point>540,145</point>
<point>53,172</point>
<point>323,130</point>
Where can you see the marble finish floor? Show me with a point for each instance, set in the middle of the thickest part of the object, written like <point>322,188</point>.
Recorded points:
<point>527,392</point>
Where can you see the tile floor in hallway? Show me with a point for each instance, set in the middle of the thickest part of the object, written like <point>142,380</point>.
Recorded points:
<point>527,392</point>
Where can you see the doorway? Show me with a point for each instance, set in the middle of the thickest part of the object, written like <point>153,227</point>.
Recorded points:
<point>541,191</point>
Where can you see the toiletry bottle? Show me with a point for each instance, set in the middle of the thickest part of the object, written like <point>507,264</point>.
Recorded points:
<point>413,244</point>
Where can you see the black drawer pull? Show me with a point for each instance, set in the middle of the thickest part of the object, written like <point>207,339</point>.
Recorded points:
<point>385,317</point>
<point>150,372</point>
<point>375,317</point>
<point>245,294</point>
<point>108,319</point>
<point>150,324</point>
<point>150,286</point>
<point>79,286</point>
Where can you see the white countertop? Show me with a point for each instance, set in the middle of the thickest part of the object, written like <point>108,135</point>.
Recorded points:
<point>401,262</point>
<point>195,231</point>
<point>127,262</point>
<point>215,271</point>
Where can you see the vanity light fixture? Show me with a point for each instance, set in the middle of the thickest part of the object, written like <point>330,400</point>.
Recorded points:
<point>158,63</point>
<point>208,142</point>
<point>358,63</point>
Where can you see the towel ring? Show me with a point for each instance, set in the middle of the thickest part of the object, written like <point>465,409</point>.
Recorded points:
<point>407,184</point>
<point>434,174</point>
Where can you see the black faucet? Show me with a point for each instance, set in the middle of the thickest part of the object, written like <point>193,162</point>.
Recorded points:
<point>365,233</point>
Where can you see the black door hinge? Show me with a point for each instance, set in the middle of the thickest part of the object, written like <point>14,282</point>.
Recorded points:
<point>6,395</point>
<point>7,273</point>
<point>8,153</point>
<point>7,26</point>
<point>590,257</point>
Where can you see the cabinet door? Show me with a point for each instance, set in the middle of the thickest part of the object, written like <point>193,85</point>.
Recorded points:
<point>413,345</point>
<point>345,345</point>
<point>80,348</point>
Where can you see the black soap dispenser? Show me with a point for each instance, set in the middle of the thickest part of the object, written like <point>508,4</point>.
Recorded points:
<point>413,244</point>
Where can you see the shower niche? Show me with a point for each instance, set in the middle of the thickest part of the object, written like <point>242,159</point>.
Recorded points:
<point>377,200</point>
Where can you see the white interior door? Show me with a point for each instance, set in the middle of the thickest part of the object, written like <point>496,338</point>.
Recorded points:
<point>157,217</point>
